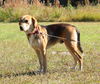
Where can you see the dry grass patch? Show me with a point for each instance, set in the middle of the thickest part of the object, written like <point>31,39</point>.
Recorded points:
<point>17,58</point>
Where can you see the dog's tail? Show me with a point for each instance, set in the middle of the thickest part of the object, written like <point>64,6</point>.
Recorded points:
<point>79,44</point>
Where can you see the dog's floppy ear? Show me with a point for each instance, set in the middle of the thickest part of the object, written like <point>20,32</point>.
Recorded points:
<point>34,22</point>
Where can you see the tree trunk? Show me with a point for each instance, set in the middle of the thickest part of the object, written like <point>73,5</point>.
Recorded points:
<point>57,3</point>
<point>47,2</point>
<point>87,2</point>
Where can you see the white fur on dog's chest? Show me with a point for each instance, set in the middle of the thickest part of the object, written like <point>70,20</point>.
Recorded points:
<point>35,43</point>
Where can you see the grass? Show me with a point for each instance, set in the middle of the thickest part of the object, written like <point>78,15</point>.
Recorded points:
<point>17,57</point>
<point>55,14</point>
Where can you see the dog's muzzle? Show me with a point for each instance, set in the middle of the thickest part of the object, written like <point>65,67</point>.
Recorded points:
<point>21,28</point>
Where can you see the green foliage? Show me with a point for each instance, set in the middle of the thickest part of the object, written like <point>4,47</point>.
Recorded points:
<point>43,13</point>
<point>9,15</point>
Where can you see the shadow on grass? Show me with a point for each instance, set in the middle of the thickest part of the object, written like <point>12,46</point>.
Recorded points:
<point>31,73</point>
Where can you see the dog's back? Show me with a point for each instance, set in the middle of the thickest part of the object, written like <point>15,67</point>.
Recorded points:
<point>59,30</point>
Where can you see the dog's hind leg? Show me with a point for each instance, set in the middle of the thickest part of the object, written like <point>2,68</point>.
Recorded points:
<point>75,59</point>
<point>72,47</point>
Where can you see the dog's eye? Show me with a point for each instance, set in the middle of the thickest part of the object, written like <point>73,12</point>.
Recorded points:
<point>23,21</point>
<point>20,21</point>
<point>26,21</point>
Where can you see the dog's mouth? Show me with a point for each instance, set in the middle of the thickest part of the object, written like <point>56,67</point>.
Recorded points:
<point>21,28</point>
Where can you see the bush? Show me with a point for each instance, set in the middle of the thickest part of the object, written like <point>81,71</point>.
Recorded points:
<point>43,13</point>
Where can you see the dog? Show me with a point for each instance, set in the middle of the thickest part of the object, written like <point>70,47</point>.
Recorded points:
<point>43,37</point>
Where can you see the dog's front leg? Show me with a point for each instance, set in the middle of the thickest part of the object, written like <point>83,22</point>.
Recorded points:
<point>40,57</point>
<point>42,61</point>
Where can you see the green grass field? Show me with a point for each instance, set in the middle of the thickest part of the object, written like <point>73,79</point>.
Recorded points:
<point>17,58</point>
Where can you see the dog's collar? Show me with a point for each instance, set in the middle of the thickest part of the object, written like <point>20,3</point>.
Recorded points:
<point>35,31</point>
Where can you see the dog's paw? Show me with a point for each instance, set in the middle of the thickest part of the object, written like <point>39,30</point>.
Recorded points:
<point>39,72</point>
<point>73,68</point>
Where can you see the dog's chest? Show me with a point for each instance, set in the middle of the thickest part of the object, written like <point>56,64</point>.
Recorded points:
<point>35,42</point>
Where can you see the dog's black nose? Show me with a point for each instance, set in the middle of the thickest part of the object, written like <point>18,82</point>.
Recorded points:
<point>21,28</point>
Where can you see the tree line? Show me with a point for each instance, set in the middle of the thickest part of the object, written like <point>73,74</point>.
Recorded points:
<point>59,3</point>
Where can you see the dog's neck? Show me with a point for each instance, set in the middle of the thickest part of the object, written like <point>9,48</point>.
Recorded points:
<point>32,30</point>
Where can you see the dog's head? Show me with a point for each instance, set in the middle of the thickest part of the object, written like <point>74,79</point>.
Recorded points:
<point>27,23</point>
